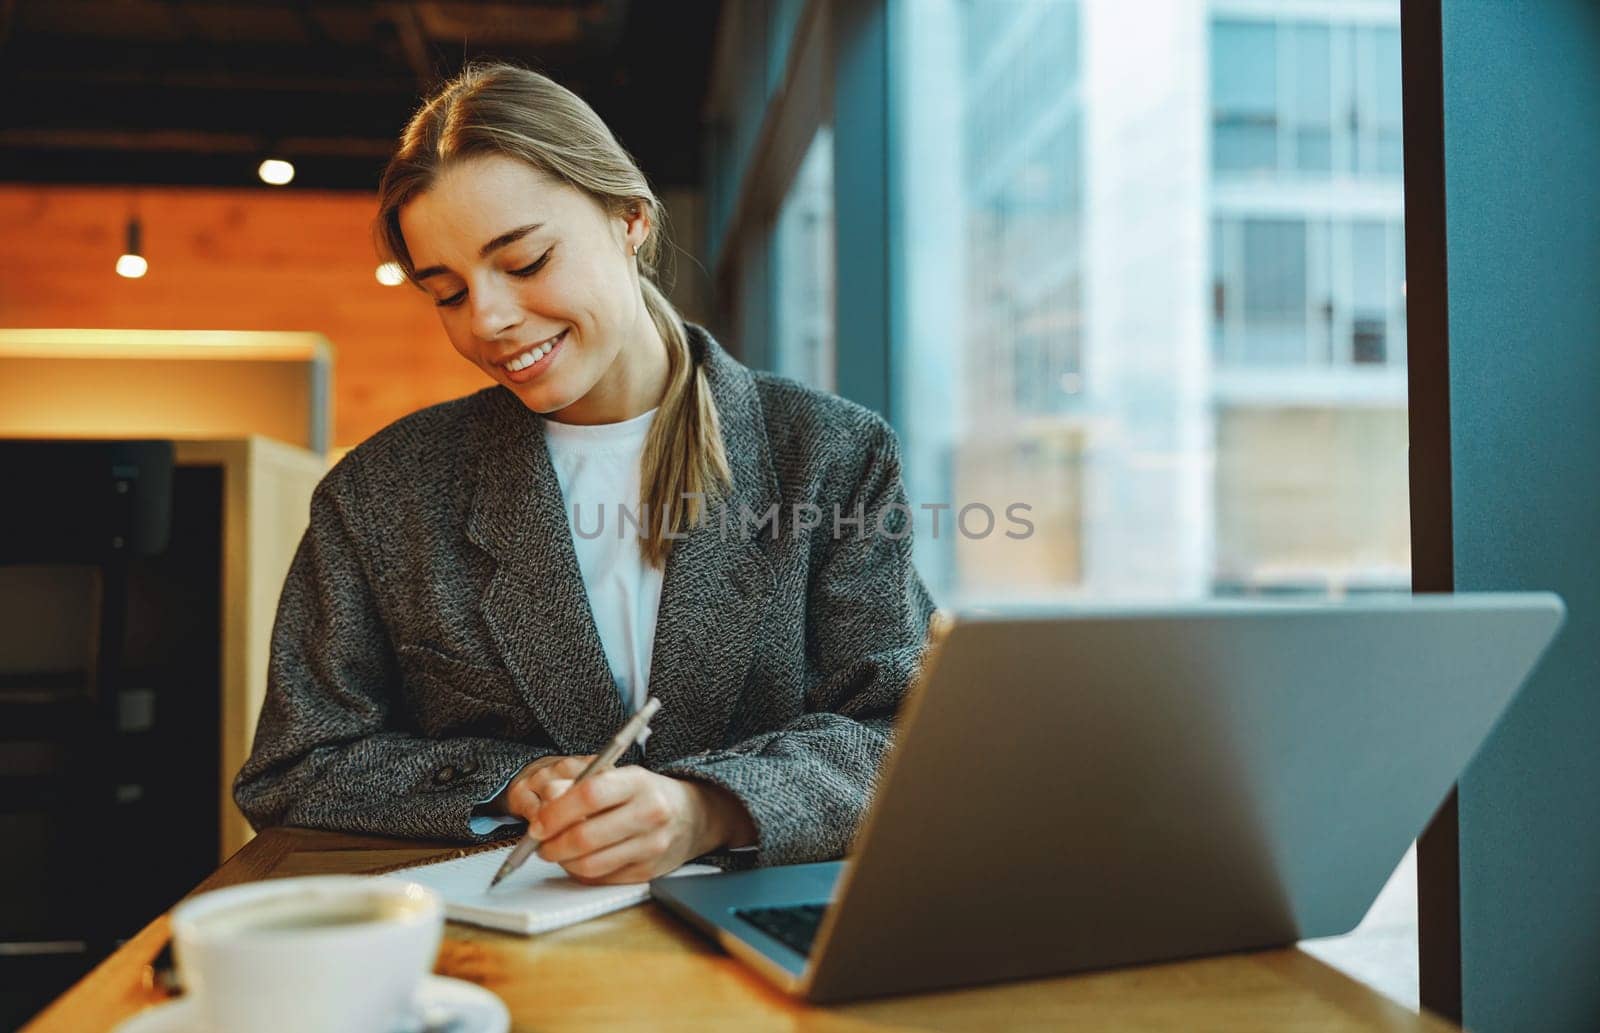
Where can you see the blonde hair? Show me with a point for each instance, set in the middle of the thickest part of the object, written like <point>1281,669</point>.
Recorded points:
<point>497,108</point>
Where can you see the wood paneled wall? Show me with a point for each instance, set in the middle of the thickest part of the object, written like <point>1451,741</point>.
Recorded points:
<point>250,260</point>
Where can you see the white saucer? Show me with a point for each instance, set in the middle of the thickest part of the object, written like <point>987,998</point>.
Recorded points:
<point>474,1009</point>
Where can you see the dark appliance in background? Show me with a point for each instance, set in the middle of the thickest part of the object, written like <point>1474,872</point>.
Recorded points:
<point>110,589</point>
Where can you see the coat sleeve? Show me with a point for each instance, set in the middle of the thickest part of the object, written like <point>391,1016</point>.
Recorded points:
<point>807,785</point>
<point>334,748</point>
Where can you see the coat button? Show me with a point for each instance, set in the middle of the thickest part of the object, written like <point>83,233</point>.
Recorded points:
<point>467,767</point>
<point>444,776</point>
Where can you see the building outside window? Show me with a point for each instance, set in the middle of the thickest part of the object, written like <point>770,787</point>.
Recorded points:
<point>1153,268</point>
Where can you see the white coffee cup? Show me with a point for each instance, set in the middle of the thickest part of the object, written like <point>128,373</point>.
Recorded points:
<point>324,954</point>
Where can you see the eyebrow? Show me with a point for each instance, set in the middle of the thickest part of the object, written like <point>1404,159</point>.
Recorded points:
<point>508,237</point>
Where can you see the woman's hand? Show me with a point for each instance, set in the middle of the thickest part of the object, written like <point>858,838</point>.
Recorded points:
<point>626,824</point>
<point>537,784</point>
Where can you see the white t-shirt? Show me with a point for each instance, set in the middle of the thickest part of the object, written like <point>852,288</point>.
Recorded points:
<point>598,470</point>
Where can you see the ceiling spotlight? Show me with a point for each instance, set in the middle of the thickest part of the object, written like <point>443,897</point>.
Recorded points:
<point>390,275</point>
<point>275,172</point>
<point>131,263</point>
<point>132,266</point>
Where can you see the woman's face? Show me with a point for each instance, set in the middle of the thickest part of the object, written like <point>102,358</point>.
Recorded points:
<point>537,286</point>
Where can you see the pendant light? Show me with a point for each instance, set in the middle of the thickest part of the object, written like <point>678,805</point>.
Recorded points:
<point>131,263</point>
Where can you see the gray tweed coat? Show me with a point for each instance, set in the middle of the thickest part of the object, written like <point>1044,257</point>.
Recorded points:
<point>434,635</point>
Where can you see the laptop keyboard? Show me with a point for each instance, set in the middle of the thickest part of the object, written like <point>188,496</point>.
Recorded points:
<point>794,926</point>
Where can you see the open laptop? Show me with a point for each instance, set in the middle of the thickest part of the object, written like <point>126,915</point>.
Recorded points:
<point>1089,788</point>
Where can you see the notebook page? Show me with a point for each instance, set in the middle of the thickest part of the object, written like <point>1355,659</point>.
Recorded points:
<point>536,897</point>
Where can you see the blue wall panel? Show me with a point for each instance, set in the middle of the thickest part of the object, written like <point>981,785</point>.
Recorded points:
<point>1522,199</point>
<point>861,177</point>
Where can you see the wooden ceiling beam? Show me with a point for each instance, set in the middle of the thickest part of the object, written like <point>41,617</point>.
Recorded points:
<point>193,142</point>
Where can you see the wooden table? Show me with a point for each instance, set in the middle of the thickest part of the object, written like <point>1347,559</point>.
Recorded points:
<point>640,969</point>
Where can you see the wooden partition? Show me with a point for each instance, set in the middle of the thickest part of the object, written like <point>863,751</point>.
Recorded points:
<point>165,383</point>
<point>266,499</point>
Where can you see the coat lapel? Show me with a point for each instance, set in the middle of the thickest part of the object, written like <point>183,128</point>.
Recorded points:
<point>535,606</point>
<point>714,592</point>
<point>718,582</point>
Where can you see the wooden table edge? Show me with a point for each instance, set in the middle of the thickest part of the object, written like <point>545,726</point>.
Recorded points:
<point>117,983</point>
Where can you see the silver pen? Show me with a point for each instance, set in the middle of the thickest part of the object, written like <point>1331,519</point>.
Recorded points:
<point>626,736</point>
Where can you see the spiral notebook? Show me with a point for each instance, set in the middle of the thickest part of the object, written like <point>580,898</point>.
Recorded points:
<point>535,898</point>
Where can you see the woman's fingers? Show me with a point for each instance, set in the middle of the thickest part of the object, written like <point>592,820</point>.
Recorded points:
<point>542,782</point>
<point>564,770</point>
<point>550,792</point>
<point>625,826</point>
<point>594,794</point>
<point>522,801</point>
<point>567,768</point>
<point>632,859</point>
<point>599,832</point>
<point>639,871</point>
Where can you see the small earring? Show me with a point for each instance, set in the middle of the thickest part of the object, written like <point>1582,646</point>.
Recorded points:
<point>636,250</point>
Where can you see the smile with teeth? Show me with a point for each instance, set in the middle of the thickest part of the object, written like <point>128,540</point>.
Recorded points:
<point>534,354</point>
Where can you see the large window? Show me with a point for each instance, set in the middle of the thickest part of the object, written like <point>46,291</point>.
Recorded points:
<point>1152,274</point>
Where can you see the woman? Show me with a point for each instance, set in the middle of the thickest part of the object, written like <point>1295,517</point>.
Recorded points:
<point>450,649</point>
